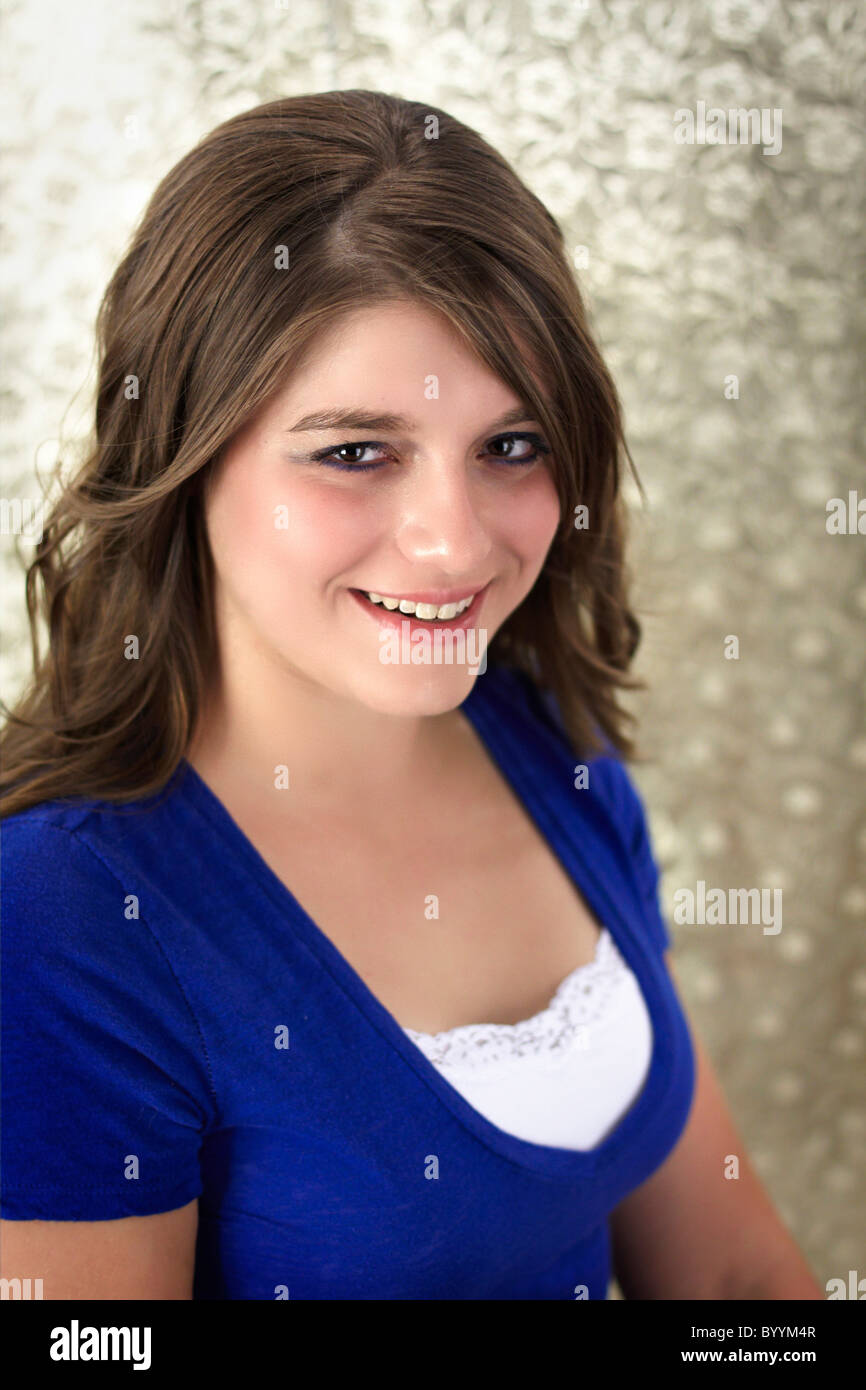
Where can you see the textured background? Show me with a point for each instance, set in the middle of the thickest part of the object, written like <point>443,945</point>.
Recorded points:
<point>701,262</point>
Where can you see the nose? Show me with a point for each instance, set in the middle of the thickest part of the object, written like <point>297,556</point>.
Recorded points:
<point>441,521</point>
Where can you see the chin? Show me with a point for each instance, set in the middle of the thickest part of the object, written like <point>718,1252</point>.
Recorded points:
<point>419,690</point>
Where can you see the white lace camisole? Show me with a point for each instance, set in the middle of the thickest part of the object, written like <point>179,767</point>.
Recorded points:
<point>566,1076</point>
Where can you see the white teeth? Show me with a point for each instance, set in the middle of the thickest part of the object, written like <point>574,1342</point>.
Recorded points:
<point>429,611</point>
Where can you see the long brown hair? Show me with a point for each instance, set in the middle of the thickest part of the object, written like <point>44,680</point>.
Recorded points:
<point>279,221</point>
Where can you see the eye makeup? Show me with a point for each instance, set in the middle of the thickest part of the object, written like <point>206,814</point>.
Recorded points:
<point>326,457</point>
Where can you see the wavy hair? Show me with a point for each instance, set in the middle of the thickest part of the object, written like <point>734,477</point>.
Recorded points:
<point>371,197</point>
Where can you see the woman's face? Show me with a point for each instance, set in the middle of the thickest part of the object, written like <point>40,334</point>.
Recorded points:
<point>459,503</point>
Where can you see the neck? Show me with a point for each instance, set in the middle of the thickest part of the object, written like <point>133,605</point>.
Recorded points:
<point>258,721</point>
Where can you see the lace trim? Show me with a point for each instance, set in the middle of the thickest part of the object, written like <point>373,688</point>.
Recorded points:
<point>577,1002</point>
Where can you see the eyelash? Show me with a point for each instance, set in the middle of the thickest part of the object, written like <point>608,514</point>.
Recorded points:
<point>323,455</point>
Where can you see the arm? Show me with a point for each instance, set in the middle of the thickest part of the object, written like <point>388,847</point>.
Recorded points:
<point>147,1257</point>
<point>690,1233</point>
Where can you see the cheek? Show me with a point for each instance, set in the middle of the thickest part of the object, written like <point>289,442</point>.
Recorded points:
<point>329,528</point>
<point>265,531</point>
<point>530,517</point>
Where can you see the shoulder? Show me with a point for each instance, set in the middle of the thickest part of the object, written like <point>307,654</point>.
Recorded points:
<point>50,855</point>
<point>44,854</point>
<point>78,840</point>
<point>94,1015</point>
<point>608,781</point>
<point>608,805</point>
<point>72,898</point>
<point>93,1009</point>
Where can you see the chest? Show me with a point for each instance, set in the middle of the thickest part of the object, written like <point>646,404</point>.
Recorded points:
<point>448,917</point>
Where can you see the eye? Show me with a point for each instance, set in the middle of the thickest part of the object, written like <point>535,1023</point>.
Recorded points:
<point>538,447</point>
<point>328,457</point>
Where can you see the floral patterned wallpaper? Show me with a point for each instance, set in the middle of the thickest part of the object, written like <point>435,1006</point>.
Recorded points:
<point>722,277</point>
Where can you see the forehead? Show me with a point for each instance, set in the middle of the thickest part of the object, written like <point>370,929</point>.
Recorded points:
<point>397,351</point>
<point>384,337</point>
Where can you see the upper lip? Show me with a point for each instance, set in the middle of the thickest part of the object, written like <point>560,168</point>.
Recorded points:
<point>437,596</point>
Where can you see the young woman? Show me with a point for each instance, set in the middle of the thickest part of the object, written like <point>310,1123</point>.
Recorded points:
<point>333,961</point>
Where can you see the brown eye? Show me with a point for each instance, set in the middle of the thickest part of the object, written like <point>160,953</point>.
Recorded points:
<point>327,457</point>
<point>538,447</point>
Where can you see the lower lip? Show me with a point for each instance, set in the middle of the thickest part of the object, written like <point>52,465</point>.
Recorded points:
<point>392,617</point>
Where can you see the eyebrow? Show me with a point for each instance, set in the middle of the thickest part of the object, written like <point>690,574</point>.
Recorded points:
<point>361,419</point>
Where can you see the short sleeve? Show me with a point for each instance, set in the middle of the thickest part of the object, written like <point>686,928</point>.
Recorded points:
<point>104,1082</point>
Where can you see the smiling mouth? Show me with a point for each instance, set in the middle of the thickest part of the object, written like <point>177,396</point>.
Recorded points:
<point>395,611</point>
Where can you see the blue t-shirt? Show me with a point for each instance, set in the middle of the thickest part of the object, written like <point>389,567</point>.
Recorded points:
<point>174,1026</point>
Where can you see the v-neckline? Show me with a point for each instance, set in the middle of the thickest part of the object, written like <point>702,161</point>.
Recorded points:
<point>507,753</point>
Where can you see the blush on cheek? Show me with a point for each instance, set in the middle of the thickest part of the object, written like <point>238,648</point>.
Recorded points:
<point>241,520</point>
<point>330,530</point>
<point>279,542</point>
<point>532,517</point>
